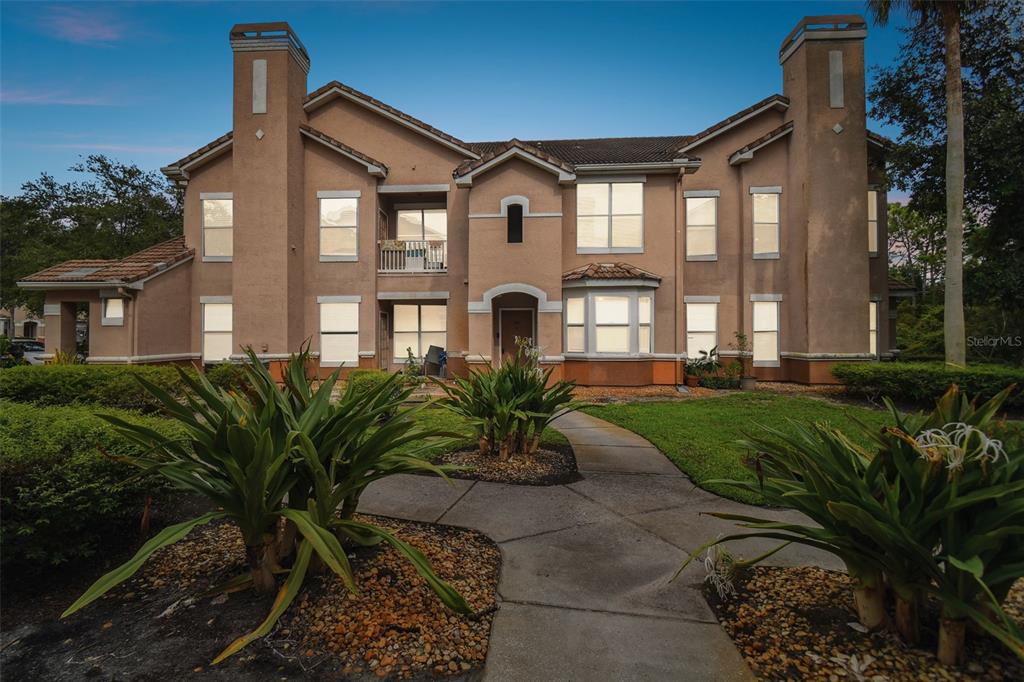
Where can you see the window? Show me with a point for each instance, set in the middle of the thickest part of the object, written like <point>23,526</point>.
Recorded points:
<point>515,223</point>
<point>873,328</point>
<point>611,324</point>
<point>701,328</point>
<point>609,217</point>
<point>339,333</point>
<point>644,309</point>
<point>701,228</point>
<point>218,221</point>
<point>766,225</point>
<point>216,332</point>
<point>418,327</point>
<point>766,333</point>
<point>339,228</point>
<point>29,329</point>
<point>113,312</point>
<point>609,321</point>
<point>423,224</point>
<point>873,222</point>
<point>575,325</point>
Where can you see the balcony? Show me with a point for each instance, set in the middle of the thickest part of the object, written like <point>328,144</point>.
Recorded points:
<point>403,256</point>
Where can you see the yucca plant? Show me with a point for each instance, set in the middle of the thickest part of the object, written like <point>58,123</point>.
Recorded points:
<point>935,508</point>
<point>261,458</point>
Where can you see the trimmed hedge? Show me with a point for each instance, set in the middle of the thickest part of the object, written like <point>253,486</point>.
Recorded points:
<point>108,385</point>
<point>925,382</point>
<point>366,379</point>
<point>62,499</point>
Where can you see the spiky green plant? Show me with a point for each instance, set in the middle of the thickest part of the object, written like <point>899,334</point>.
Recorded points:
<point>250,453</point>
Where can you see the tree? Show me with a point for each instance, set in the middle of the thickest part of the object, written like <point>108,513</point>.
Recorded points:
<point>916,249</point>
<point>949,14</point>
<point>911,94</point>
<point>118,210</point>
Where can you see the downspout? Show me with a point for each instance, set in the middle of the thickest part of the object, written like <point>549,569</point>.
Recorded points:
<point>134,352</point>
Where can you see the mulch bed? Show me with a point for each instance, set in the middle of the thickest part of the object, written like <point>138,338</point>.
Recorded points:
<point>551,465</point>
<point>795,623</point>
<point>157,627</point>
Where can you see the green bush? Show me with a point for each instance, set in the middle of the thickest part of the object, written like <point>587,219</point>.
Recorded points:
<point>363,380</point>
<point>925,382</point>
<point>62,499</point>
<point>719,382</point>
<point>229,376</point>
<point>110,385</point>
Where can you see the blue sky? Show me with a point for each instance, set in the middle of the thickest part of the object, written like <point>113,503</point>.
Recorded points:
<point>148,82</point>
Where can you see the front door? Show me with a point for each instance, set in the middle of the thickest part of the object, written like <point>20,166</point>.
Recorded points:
<point>514,322</point>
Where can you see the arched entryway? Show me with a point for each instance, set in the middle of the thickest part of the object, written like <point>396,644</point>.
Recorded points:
<point>514,316</point>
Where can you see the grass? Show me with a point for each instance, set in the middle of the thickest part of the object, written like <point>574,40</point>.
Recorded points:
<point>699,436</point>
<point>446,420</point>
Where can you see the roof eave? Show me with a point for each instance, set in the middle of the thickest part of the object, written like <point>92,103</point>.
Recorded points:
<point>565,176</point>
<point>375,169</point>
<point>777,103</point>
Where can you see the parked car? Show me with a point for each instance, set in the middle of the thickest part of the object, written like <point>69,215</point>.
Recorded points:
<point>29,350</point>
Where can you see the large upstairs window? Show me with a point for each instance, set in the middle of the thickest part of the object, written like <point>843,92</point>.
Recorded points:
<point>609,217</point>
<point>765,208</point>
<point>873,222</point>
<point>218,226</point>
<point>422,224</point>
<point>339,226</point>
<point>702,225</point>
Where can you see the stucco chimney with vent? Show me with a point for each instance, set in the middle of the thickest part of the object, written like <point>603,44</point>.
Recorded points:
<point>270,68</point>
<point>823,72</point>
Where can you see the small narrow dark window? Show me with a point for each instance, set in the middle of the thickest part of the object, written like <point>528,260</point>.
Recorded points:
<point>515,223</point>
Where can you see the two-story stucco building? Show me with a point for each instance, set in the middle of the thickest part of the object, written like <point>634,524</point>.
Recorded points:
<point>329,215</point>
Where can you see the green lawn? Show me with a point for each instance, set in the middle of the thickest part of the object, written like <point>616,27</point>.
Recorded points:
<point>440,418</point>
<point>699,435</point>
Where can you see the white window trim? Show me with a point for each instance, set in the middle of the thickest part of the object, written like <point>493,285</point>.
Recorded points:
<point>611,214</point>
<point>767,255</point>
<point>202,226</point>
<point>319,324</point>
<point>874,229</point>
<point>113,321</point>
<point>590,325</point>
<point>203,300</point>
<point>419,329</point>
<point>337,194</point>
<point>699,300</point>
<point>777,300</point>
<point>701,194</point>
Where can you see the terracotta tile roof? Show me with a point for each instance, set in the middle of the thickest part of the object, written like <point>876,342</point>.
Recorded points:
<point>199,152</point>
<point>388,108</point>
<point>324,137</point>
<point>771,135</point>
<point>501,148</point>
<point>773,100</point>
<point>608,271</point>
<point>128,269</point>
<point>603,149</point>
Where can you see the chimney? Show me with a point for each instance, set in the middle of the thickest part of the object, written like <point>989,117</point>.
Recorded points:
<point>823,73</point>
<point>270,68</point>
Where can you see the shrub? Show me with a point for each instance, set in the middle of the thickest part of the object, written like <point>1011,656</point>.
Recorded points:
<point>111,385</point>
<point>510,407</point>
<point>62,499</point>
<point>229,376</point>
<point>924,382</point>
<point>714,381</point>
<point>363,380</point>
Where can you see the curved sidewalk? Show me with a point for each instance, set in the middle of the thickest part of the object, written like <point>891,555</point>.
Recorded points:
<point>584,590</point>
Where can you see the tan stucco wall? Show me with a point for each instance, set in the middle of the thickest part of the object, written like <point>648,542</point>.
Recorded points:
<point>164,308</point>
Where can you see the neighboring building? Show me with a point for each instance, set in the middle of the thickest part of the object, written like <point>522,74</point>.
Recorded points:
<point>335,217</point>
<point>21,323</point>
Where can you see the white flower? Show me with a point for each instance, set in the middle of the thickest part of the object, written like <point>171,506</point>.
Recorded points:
<point>957,442</point>
<point>719,564</point>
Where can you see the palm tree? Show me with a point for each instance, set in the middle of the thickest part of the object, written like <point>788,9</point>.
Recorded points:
<point>948,12</point>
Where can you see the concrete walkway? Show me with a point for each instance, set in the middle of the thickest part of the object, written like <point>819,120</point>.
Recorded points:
<point>584,590</point>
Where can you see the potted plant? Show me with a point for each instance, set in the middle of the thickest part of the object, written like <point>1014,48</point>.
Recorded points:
<point>748,382</point>
<point>692,372</point>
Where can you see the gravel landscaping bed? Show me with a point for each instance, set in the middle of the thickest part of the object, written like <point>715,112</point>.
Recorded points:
<point>158,626</point>
<point>795,623</point>
<point>551,465</point>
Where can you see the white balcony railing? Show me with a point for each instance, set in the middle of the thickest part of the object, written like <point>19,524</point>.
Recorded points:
<point>402,255</point>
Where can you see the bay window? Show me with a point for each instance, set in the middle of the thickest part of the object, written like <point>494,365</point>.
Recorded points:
<point>610,321</point>
<point>418,327</point>
<point>339,330</point>
<point>217,226</point>
<point>339,225</point>
<point>609,217</point>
